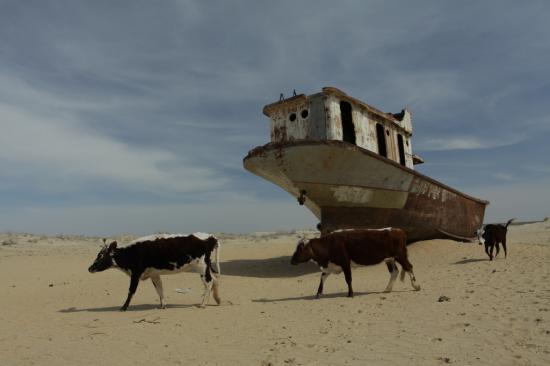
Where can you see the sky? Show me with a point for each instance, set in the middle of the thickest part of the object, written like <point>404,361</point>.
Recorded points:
<point>134,116</point>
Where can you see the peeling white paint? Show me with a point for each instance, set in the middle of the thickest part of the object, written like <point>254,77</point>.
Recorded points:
<point>356,195</point>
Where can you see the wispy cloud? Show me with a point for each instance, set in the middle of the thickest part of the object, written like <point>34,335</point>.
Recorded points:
<point>54,142</point>
<point>453,142</point>
<point>507,177</point>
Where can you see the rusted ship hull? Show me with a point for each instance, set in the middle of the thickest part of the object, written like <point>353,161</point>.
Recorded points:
<point>346,186</point>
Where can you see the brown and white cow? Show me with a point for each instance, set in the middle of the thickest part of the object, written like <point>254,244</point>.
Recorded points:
<point>340,250</point>
<point>156,255</point>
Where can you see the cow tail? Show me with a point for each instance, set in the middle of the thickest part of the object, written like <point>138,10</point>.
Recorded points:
<point>509,221</point>
<point>218,259</point>
<point>402,275</point>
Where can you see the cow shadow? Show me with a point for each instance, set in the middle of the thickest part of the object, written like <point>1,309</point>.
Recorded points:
<point>131,308</point>
<point>327,296</point>
<point>278,267</point>
<point>471,260</point>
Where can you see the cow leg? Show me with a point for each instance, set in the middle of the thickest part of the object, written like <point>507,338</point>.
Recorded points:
<point>491,250</point>
<point>347,274</point>
<point>392,268</point>
<point>487,250</point>
<point>200,266</point>
<point>414,285</point>
<point>504,247</point>
<point>216,290</point>
<point>207,289</point>
<point>157,282</point>
<point>498,248</point>
<point>215,279</point>
<point>134,281</point>
<point>321,284</point>
<point>408,268</point>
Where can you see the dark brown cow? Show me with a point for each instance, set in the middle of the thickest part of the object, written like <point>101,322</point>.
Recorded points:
<point>493,234</point>
<point>340,250</point>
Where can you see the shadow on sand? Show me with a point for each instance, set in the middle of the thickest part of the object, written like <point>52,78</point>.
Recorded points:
<point>471,260</point>
<point>278,267</point>
<point>140,307</point>
<point>328,296</point>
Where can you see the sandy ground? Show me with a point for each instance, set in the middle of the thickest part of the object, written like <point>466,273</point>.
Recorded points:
<point>53,312</point>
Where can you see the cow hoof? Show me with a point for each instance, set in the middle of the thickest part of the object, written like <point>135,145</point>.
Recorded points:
<point>122,309</point>
<point>162,307</point>
<point>201,306</point>
<point>416,287</point>
<point>387,290</point>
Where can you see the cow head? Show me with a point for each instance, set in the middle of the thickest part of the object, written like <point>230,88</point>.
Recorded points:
<point>303,253</point>
<point>104,259</point>
<point>479,233</point>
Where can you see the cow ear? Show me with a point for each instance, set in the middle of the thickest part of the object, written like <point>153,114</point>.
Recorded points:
<point>112,246</point>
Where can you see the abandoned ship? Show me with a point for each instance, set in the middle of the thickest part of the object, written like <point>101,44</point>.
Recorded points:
<point>352,166</point>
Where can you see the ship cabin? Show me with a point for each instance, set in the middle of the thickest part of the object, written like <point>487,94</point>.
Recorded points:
<point>333,115</point>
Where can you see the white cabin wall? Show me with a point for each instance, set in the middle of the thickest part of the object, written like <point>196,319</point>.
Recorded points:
<point>408,152</point>
<point>334,119</point>
<point>324,122</point>
<point>278,127</point>
<point>361,124</point>
<point>283,129</point>
<point>391,143</point>
<point>372,144</point>
<point>317,117</point>
<point>406,122</point>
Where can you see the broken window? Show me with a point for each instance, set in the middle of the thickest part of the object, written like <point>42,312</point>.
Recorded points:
<point>401,149</point>
<point>348,129</point>
<point>381,138</point>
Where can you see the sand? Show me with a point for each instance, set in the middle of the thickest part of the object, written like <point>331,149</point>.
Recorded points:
<point>53,312</point>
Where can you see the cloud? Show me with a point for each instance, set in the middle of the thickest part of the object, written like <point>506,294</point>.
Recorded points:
<point>62,147</point>
<point>505,177</point>
<point>452,142</point>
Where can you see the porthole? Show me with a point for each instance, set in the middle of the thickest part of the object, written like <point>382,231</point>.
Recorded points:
<point>292,117</point>
<point>304,113</point>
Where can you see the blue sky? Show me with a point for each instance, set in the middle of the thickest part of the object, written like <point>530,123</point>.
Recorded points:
<point>134,116</point>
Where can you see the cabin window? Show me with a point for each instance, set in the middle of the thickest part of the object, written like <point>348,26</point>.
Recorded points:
<point>292,117</point>
<point>401,149</point>
<point>381,140</point>
<point>348,130</point>
<point>304,113</point>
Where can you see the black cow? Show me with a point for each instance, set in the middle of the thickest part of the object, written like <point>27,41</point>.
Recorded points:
<point>340,250</point>
<point>152,256</point>
<point>491,235</point>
